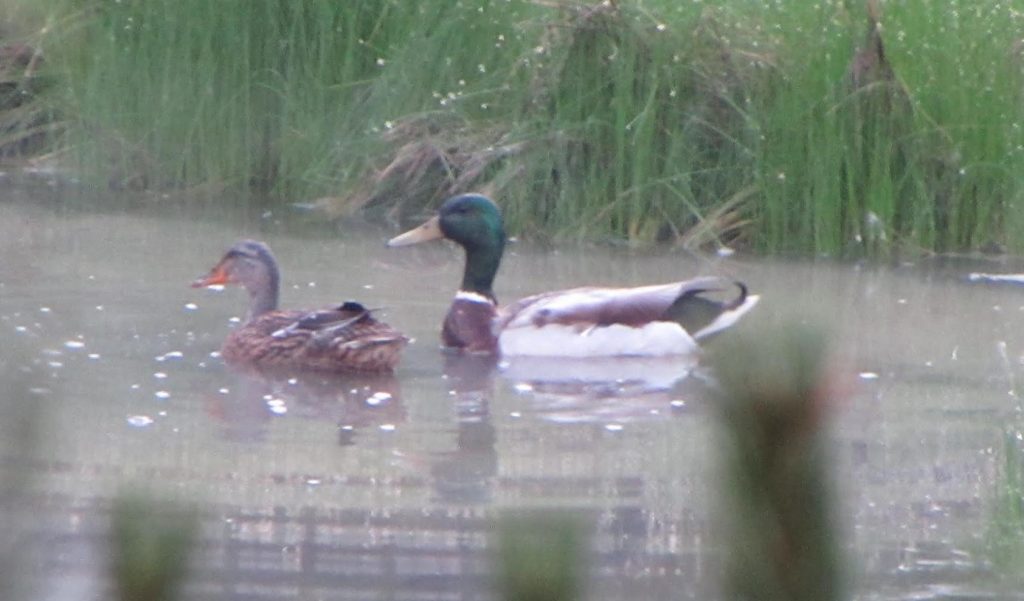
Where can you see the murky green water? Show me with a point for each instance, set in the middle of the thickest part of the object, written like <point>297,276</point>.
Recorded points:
<point>382,488</point>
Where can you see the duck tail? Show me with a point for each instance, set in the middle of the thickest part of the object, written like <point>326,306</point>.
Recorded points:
<point>729,313</point>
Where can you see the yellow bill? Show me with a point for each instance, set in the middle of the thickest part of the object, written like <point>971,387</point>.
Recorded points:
<point>431,230</point>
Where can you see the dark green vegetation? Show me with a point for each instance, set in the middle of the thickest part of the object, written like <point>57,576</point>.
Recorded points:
<point>1005,536</point>
<point>782,127</point>
<point>151,542</point>
<point>541,556</point>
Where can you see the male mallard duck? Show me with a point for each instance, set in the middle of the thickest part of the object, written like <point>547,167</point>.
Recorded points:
<point>666,319</point>
<point>336,339</point>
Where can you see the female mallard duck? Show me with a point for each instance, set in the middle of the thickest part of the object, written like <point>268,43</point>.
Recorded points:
<point>660,320</point>
<point>336,339</point>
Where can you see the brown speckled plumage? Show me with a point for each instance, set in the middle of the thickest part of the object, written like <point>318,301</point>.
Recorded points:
<point>346,338</point>
<point>363,344</point>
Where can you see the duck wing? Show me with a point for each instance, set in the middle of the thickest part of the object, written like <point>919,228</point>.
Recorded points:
<point>686,303</point>
<point>320,320</point>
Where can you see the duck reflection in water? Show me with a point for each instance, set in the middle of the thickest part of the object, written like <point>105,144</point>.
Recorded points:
<point>608,390</point>
<point>253,398</point>
<point>467,473</point>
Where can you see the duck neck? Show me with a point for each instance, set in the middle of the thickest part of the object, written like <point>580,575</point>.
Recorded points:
<point>263,292</point>
<point>482,261</point>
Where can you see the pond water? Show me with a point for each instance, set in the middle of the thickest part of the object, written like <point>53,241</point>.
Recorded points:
<point>383,487</point>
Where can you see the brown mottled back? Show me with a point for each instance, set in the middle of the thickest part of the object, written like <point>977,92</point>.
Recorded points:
<point>347,338</point>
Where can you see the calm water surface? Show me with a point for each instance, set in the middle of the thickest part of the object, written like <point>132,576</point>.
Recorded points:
<point>382,488</point>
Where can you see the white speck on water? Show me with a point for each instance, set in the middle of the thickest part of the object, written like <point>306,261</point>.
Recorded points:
<point>170,355</point>
<point>613,427</point>
<point>522,387</point>
<point>223,390</point>
<point>901,301</point>
<point>367,286</point>
<point>191,306</point>
<point>348,427</point>
<point>135,386</point>
<point>293,381</point>
<point>235,320</point>
<point>55,364</point>
<point>215,354</point>
<point>660,27</point>
<point>311,284</point>
<point>387,427</point>
<point>162,394</point>
<point>515,414</point>
<point>162,413</point>
<point>378,397</point>
<point>929,364</point>
<point>74,344</point>
<point>139,421</point>
<point>20,329</point>
<point>313,481</point>
<point>278,409</point>
<point>678,403</point>
<point>216,287</point>
<point>99,307</point>
<point>159,375</point>
<point>868,375</point>
<point>44,310</point>
<point>725,251</point>
<point>94,355</point>
<point>39,391</point>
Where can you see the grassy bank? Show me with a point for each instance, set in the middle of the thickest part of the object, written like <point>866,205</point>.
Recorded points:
<point>781,127</point>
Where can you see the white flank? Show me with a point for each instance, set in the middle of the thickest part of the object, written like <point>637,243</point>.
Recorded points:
<point>656,339</point>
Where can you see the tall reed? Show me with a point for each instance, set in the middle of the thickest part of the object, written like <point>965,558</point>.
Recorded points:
<point>741,123</point>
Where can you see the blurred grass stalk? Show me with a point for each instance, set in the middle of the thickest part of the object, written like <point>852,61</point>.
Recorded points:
<point>781,534</point>
<point>151,542</point>
<point>1004,537</point>
<point>541,556</point>
<point>809,127</point>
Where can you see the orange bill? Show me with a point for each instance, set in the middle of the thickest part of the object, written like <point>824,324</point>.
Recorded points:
<point>217,276</point>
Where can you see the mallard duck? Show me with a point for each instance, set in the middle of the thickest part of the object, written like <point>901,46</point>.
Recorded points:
<point>336,339</point>
<point>658,320</point>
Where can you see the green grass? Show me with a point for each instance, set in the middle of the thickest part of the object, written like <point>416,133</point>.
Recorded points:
<point>702,123</point>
